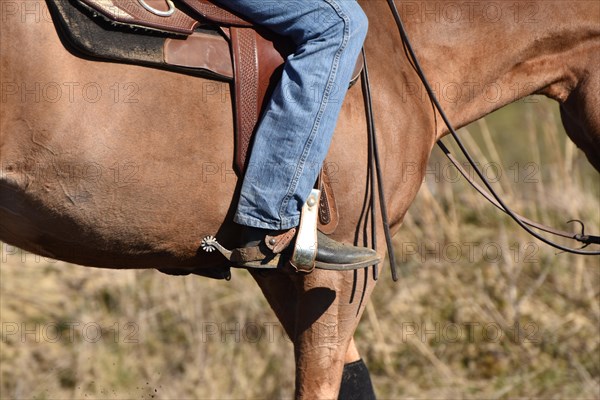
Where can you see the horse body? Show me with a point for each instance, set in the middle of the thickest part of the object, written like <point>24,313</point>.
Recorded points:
<point>104,164</point>
<point>121,166</point>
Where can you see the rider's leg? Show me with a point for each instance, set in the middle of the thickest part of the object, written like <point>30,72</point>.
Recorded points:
<point>295,131</point>
<point>296,128</point>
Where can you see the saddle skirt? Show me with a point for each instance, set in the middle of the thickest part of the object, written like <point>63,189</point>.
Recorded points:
<point>195,37</point>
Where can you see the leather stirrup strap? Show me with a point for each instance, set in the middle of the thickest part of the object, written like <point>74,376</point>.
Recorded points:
<point>245,66</point>
<point>328,210</point>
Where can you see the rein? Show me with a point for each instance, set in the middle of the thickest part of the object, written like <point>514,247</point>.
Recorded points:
<point>490,194</point>
<point>580,237</point>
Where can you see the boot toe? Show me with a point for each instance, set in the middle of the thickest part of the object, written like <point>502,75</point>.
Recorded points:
<point>332,252</point>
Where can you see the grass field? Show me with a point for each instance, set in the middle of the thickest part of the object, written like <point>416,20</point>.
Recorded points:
<point>482,310</point>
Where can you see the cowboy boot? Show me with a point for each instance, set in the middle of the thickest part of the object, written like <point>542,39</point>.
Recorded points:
<point>261,247</point>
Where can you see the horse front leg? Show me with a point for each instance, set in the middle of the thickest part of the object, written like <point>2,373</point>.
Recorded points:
<point>581,118</point>
<point>329,307</point>
<point>320,313</point>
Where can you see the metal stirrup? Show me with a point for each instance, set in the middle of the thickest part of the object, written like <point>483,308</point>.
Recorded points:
<point>305,249</point>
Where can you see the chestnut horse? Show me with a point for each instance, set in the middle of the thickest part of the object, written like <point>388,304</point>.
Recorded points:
<point>121,166</point>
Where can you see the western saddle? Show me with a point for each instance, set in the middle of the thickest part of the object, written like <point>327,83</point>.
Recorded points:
<point>195,37</point>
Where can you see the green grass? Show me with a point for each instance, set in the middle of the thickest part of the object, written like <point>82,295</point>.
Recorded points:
<point>489,313</point>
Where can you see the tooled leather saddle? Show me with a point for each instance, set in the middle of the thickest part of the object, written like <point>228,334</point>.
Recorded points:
<point>195,37</point>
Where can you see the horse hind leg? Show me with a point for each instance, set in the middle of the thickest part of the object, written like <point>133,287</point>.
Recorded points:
<point>356,381</point>
<point>580,115</point>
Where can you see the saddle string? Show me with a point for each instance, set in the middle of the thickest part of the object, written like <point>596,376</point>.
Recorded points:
<point>521,221</point>
<point>375,168</point>
<point>373,199</point>
<point>371,167</point>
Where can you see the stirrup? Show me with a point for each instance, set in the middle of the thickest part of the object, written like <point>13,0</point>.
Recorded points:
<point>305,248</point>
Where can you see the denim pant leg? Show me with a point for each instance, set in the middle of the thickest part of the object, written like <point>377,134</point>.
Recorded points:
<point>295,131</point>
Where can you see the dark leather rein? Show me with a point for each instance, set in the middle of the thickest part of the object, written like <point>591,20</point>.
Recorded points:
<point>490,194</point>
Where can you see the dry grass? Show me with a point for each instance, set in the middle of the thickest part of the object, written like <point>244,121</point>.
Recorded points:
<point>481,311</point>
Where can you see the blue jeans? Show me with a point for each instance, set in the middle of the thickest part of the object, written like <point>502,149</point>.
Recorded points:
<point>295,131</point>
